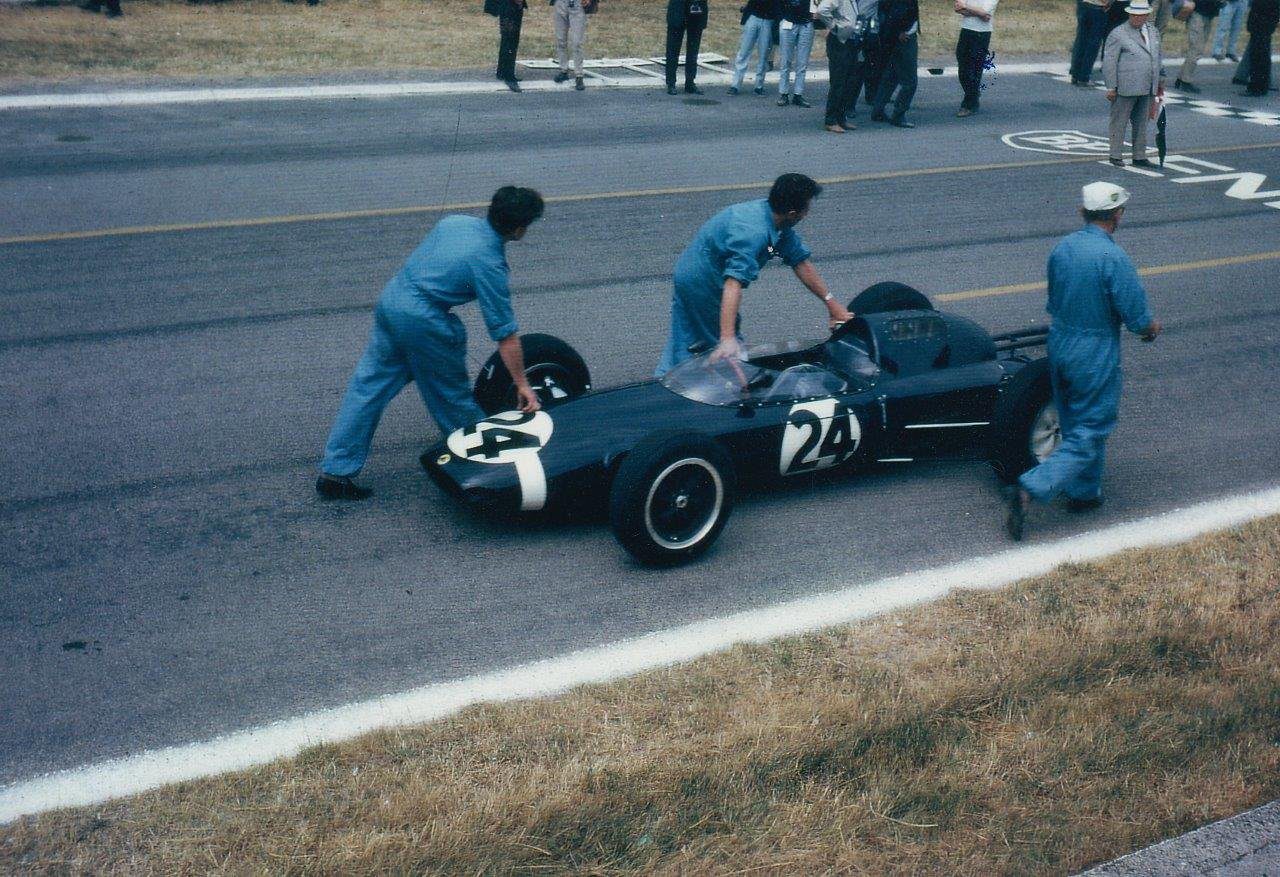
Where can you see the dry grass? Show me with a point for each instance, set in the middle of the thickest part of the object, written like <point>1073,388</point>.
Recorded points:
<point>265,37</point>
<point>1034,730</point>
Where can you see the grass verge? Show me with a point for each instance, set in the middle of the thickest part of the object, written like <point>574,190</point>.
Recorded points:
<point>269,37</point>
<point>1038,729</point>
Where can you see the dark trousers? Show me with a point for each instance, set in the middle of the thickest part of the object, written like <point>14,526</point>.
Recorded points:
<point>971,59</point>
<point>1258,56</point>
<point>1091,29</point>
<point>508,43</point>
<point>844,61</point>
<point>675,36</point>
<point>875,56</point>
<point>900,72</point>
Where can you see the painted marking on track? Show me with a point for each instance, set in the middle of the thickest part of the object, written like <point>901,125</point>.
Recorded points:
<point>618,195</point>
<point>1217,109</point>
<point>843,604</point>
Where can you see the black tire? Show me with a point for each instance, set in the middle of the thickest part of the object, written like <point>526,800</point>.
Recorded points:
<point>671,497</point>
<point>555,370</point>
<point>1024,411</point>
<point>890,296</point>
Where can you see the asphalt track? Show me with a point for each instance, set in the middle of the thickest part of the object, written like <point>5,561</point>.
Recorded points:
<point>168,573</point>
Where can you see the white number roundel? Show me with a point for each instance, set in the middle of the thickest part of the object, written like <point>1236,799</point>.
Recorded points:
<point>510,437</point>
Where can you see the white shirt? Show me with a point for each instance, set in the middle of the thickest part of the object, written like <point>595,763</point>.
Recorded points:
<point>973,22</point>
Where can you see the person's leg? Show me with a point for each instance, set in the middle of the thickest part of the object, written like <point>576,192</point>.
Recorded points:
<point>1259,59</point>
<point>857,81</point>
<point>908,55</point>
<point>560,17</point>
<point>1121,109</point>
<point>436,352</point>
<point>888,82</point>
<point>1095,31</point>
<point>380,374</point>
<point>1198,30</point>
<point>684,332</point>
<point>675,36</point>
<point>1077,47</point>
<point>577,31</point>
<point>691,54</point>
<point>1225,17</point>
<point>838,62</point>
<point>744,52</point>
<point>1138,119</point>
<point>1237,24</point>
<point>804,48</point>
<point>509,44</point>
<point>764,43</point>
<point>787,41</point>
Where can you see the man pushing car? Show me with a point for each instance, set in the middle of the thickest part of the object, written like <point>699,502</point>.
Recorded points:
<point>415,337</point>
<point>726,256</point>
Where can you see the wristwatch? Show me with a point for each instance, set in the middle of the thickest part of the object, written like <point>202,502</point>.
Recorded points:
<point>828,297</point>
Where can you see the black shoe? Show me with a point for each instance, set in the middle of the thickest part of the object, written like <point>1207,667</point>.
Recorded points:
<point>1186,86</point>
<point>1118,162</point>
<point>1233,81</point>
<point>1249,92</point>
<point>784,100</point>
<point>759,90</point>
<point>733,90</point>
<point>899,122</point>
<point>690,88</point>
<point>1081,83</point>
<point>514,85</point>
<point>1142,162</point>
<point>1015,518</point>
<point>333,487</point>
<point>511,78</point>
<point>1079,506</point>
<point>797,100</point>
<point>879,116</point>
<point>97,7</point>
<point>578,84</point>
<point>671,89</point>
<point>1232,58</point>
<point>562,76</point>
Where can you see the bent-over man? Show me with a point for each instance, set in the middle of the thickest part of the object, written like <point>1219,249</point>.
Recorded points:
<point>415,336</point>
<point>726,257</point>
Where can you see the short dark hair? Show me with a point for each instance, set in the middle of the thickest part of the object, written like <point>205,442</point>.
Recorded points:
<point>513,207</point>
<point>793,192</point>
<point>1100,215</point>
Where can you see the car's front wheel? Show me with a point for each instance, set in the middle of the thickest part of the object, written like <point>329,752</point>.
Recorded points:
<point>1025,428</point>
<point>671,497</point>
<point>554,369</point>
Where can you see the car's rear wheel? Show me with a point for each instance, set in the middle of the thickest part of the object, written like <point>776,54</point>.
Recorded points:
<point>890,296</point>
<point>554,369</point>
<point>671,497</point>
<point>1025,428</point>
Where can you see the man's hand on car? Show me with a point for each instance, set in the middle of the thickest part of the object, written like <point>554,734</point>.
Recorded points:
<point>528,399</point>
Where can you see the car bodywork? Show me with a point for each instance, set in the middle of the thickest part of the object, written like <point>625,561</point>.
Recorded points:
<point>893,387</point>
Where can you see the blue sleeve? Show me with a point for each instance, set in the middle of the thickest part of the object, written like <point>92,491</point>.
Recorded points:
<point>489,279</point>
<point>1127,295</point>
<point>741,253</point>
<point>792,248</point>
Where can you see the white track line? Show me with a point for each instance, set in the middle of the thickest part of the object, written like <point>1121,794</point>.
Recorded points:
<point>410,89</point>
<point>148,770</point>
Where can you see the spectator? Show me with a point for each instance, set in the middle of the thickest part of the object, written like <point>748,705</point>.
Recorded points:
<point>685,17</point>
<point>973,48</point>
<point>844,60</point>
<point>113,7</point>
<point>1131,67</point>
<point>899,34</point>
<point>510,15</point>
<point>1199,34</point>
<point>1230,20</point>
<point>1091,27</point>
<point>758,17</point>
<point>570,18</point>
<point>1263,18</point>
<point>873,50</point>
<point>796,37</point>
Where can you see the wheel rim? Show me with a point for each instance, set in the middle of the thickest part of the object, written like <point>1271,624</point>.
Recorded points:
<point>1046,433</point>
<point>551,381</point>
<point>683,503</point>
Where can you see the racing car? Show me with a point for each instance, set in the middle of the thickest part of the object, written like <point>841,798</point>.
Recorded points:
<point>901,381</point>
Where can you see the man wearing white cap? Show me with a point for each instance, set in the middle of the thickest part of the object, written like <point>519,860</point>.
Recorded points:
<point>1093,289</point>
<point>1131,67</point>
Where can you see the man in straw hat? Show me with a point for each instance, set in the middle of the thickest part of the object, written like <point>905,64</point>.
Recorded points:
<point>1093,289</point>
<point>1131,67</point>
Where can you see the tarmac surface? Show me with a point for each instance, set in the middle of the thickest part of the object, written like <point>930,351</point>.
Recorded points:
<point>170,575</point>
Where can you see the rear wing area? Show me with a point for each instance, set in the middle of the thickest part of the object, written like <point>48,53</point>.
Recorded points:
<point>1033,336</point>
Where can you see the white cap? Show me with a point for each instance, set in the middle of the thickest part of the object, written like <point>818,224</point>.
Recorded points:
<point>1138,7</point>
<point>1103,196</point>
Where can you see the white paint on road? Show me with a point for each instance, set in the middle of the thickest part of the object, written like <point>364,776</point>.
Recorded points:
<point>148,770</point>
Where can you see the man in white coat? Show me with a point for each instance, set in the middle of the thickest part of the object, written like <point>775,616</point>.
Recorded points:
<point>1131,67</point>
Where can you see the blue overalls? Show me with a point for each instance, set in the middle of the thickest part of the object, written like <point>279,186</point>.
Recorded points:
<point>737,242</point>
<point>1093,288</point>
<point>415,337</point>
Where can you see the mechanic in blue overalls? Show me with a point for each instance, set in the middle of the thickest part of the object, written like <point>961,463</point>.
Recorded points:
<point>415,337</point>
<point>727,256</point>
<point>1093,289</point>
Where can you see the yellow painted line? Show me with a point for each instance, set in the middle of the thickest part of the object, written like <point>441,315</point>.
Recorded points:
<point>1152,271</point>
<point>259,221</point>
